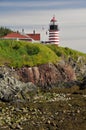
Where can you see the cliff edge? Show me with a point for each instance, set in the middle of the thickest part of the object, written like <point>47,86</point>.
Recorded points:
<point>44,66</point>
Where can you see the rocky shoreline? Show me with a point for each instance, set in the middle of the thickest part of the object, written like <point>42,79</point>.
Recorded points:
<point>19,83</point>
<point>44,97</point>
<point>49,110</point>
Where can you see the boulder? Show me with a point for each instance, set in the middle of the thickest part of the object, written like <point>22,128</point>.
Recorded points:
<point>12,89</point>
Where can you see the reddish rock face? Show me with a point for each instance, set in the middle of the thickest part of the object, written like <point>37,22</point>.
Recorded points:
<point>47,75</point>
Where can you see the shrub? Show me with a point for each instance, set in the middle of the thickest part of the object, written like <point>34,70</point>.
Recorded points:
<point>32,50</point>
<point>16,47</point>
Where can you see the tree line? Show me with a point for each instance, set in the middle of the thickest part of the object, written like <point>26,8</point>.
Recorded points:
<point>4,31</point>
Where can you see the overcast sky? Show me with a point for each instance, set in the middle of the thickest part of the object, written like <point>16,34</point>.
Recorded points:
<point>36,14</point>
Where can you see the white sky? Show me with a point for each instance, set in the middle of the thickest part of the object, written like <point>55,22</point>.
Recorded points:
<point>36,14</point>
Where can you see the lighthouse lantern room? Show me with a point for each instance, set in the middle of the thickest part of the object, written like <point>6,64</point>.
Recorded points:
<point>53,31</point>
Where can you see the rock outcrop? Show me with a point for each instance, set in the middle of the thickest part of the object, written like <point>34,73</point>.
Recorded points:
<point>11,89</point>
<point>78,65</point>
<point>17,84</point>
<point>47,75</point>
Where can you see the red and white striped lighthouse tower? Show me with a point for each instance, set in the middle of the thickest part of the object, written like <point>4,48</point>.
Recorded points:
<point>53,31</point>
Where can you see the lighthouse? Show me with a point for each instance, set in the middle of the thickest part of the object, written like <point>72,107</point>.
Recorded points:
<point>53,31</point>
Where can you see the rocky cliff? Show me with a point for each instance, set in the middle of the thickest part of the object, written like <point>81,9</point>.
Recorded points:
<point>16,83</point>
<point>47,75</point>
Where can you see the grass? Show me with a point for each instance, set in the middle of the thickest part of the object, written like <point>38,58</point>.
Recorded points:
<point>66,52</point>
<point>20,53</point>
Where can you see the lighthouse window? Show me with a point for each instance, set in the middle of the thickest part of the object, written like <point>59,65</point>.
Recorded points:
<point>53,27</point>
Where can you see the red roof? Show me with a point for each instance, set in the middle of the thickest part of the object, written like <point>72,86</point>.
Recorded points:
<point>35,37</point>
<point>15,35</point>
<point>28,37</point>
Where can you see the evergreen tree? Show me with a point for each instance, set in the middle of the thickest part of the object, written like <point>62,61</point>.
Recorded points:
<point>4,31</point>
